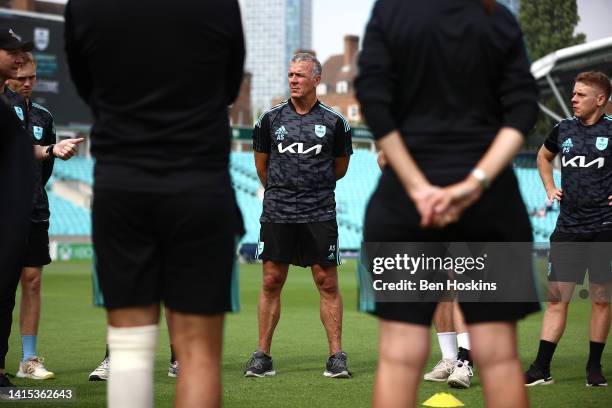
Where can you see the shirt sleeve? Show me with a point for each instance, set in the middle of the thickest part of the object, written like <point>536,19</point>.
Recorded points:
<point>518,89</point>
<point>77,66</point>
<point>343,140</point>
<point>236,59</point>
<point>49,139</point>
<point>552,141</point>
<point>261,135</point>
<point>376,80</point>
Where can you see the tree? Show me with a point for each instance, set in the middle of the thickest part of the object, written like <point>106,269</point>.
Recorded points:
<point>549,25</point>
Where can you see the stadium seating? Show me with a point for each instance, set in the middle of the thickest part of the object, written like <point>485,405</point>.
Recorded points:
<point>352,194</point>
<point>76,169</point>
<point>67,218</point>
<point>535,198</point>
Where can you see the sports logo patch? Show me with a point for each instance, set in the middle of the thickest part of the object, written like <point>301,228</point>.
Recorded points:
<point>260,248</point>
<point>41,38</point>
<point>601,143</point>
<point>19,113</point>
<point>320,130</point>
<point>280,133</point>
<point>38,132</point>
<point>567,145</point>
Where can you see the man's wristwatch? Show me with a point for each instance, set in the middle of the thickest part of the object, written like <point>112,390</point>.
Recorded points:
<point>482,177</point>
<point>49,150</point>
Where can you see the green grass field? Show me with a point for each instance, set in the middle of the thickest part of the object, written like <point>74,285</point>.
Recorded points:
<point>72,337</point>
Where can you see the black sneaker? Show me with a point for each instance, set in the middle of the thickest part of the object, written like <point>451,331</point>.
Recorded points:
<point>536,376</point>
<point>595,378</point>
<point>5,384</point>
<point>259,365</point>
<point>336,366</point>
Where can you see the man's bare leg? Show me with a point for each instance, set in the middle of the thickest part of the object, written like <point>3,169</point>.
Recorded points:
<point>29,311</point>
<point>598,331</point>
<point>269,308</point>
<point>197,340</point>
<point>495,353</point>
<point>555,316</point>
<point>600,311</point>
<point>402,352</point>
<point>326,280</point>
<point>553,326</point>
<point>173,367</point>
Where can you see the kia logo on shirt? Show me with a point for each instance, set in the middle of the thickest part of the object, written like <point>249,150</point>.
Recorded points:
<point>299,148</point>
<point>580,161</point>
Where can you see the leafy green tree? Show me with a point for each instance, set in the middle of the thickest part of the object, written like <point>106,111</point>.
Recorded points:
<point>548,25</point>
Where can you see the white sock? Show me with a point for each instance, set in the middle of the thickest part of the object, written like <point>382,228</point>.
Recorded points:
<point>463,340</point>
<point>131,354</point>
<point>448,345</point>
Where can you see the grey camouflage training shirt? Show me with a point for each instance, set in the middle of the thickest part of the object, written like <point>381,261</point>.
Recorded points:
<point>301,170</point>
<point>586,174</point>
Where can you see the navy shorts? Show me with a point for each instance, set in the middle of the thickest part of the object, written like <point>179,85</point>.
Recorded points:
<point>573,254</point>
<point>37,248</point>
<point>305,244</point>
<point>179,249</point>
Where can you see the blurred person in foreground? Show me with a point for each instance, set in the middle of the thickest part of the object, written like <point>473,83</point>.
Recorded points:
<point>39,123</point>
<point>456,366</point>
<point>165,220</point>
<point>17,181</point>
<point>447,91</point>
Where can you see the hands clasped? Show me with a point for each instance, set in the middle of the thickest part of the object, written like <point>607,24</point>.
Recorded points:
<point>441,206</point>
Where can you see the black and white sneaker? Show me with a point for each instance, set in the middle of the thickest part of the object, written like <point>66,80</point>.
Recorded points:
<point>259,365</point>
<point>536,376</point>
<point>5,388</point>
<point>336,366</point>
<point>101,372</point>
<point>595,378</point>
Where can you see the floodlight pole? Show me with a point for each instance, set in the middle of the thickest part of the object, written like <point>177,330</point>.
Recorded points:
<point>550,112</point>
<point>558,96</point>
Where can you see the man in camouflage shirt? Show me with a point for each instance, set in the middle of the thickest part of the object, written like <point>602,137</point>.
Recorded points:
<point>302,147</point>
<point>583,235</point>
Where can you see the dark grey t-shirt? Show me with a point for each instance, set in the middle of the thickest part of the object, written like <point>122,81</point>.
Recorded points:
<point>38,121</point>
<point>301,170</point>
<point>586,174</point>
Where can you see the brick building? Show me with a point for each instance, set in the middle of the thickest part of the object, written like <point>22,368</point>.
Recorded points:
<point>336,88</point>
<point>240,112</point>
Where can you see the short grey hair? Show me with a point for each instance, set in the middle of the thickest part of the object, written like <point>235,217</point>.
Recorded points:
<point>317,69</point>
<point>28,58</point>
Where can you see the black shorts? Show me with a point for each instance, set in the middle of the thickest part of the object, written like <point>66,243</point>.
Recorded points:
<point>37,249</point>
<point>179,249</point>
<point>571,256</point>
<point>499,216</point>
<point>303,245</point>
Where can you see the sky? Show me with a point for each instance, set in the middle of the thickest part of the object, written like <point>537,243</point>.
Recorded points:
<point>333,19</point>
